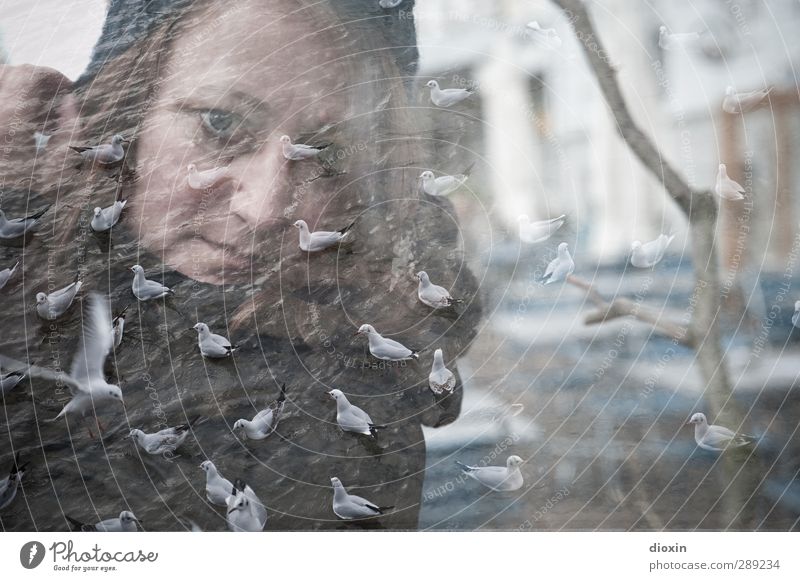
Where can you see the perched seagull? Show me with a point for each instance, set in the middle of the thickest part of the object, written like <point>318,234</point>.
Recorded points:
<point>265,421</point>
<point>106,153</point>
<point>351,507</point>
<point>146,290</point>
<point>547,36</point>
<point>560,267</point>
<point>51,307</point>
<point>384,348</point>
<point>218,489</point>
<point>203,180</point>
<point>390,3</point>
<point>246,513</point>
<point>40,139</point>
<point>105,218</point>
<point>744,102</point>
<point>499,478</point>
<point>125,523</point>
<point>440,379</point>
<point>9,484</point>
<point>446,97</point>
<point>16,227</point>
<point>534,232</point>
<point>9,381</point>
<point>316,241</point>
<point>443,185</point>
<point>727,188</point>
<point>716,438</point>
<point>649,254</point>
<point>165,441</point>
<point>433,295</point>
<point>675,41</point>
<point>351,418</point>
<point>796,315</point>
<point>211,345</point>
<point>298,151</point>
<point>7,273</point>
<point>118,327</point>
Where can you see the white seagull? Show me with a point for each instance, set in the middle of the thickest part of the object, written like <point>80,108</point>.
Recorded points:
<point>7,273</point>
<point>433,295</point>
<point>386,349</point>
<point>51,307</point>
<point>389,3</point>
<point>118,327</point>
<point>203,180</point>
<point>265,421</point>
<point>218,489</point>
<point>440,379</point>
<point>246,513</point>
<point>443,185</point>
<point>316,241</point>
<point>727,188</point>
<point>125,523</point>
<point>17,227</point>
<point>298,151</point>
<point>560,267</point>
<point>106,153</point>
<point>446,97</point>
<point>744,102</point>
<point>351,418</point>
<point>499,478</point>
<point>349,506</point>
<point>211,345</point>
<point>164,441</point>
<point>105,218</point>
<point>675,41</point>
<point>9,484</point>
<point>535,232</point>
<point>650,253</point>
<point>716,438</point>
<point>796,315</point>
<point>146,290</point>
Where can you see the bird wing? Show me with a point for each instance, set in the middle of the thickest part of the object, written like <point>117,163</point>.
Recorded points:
<point>220,340</point>
<point>96,341</point>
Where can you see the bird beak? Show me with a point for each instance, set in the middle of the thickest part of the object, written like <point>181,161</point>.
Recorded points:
<point>330,395</point>
<point>687,423</point>
<point>356,333</point>
<point>124,140</point>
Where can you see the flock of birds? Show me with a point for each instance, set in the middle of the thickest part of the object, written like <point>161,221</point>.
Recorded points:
<point>102,334</point>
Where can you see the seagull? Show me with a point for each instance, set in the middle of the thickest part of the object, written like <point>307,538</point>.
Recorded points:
<point>316,241</point>
<point>265,421</point>
<point>125,523</point>
<point>560,267</point>
<point>716,438</point>
<point>433,295</point>
<point>298,151</point>
<point>105,218</point>
<point>440,379</point>
<point>351,418</point>
<point>211,345</point>
<point>218,489</point>
<point>446,97</point>
<point>106,153</point>
<point>384,348</point>
<point>9,484</point>
<point>547,36</point>
<point>534,232</point>
<point>389,3</point>
<point>51,307</point>
<point>499,478</point>
<point>146,290</point>
<point>118,327</point>
<point>9,381</point>
<point>443,185</point>
<point>246,513</point>
<point>165,441</point>
<point>744,102</point>
<point>649,254</point>
<point>796,315</point>
<point>16,227</point>
<point>350,507</point>
<point>727,188</point>
<point>7,273</point>
<point>674,41</point>
<point>203,180</point>
<point>40,139</point>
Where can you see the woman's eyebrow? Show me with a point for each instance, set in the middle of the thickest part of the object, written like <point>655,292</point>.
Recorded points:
<point>225,96</point>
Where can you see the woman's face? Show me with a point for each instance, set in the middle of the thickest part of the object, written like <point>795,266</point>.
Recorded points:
<point>237,79</point>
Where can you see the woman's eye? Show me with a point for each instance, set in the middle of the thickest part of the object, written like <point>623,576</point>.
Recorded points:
<point>220,123</point>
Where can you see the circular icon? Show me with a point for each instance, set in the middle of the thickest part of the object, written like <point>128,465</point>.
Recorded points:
<point>31,554</point>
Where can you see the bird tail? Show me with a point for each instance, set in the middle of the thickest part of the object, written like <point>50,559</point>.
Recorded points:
<point>38,214</point>
<point>373,429</point>
<point>74,524</point>
<point>383,509</point>
<point>282,396</point>
<point>454,301</point>
<point>464,467</point>
<point>414,354</point>
<point>191,424</point>
<point>14,269</point>
<point>78,148</point>
<point>468,170</point>
<point>121,314</point>
<point>347,228</point>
